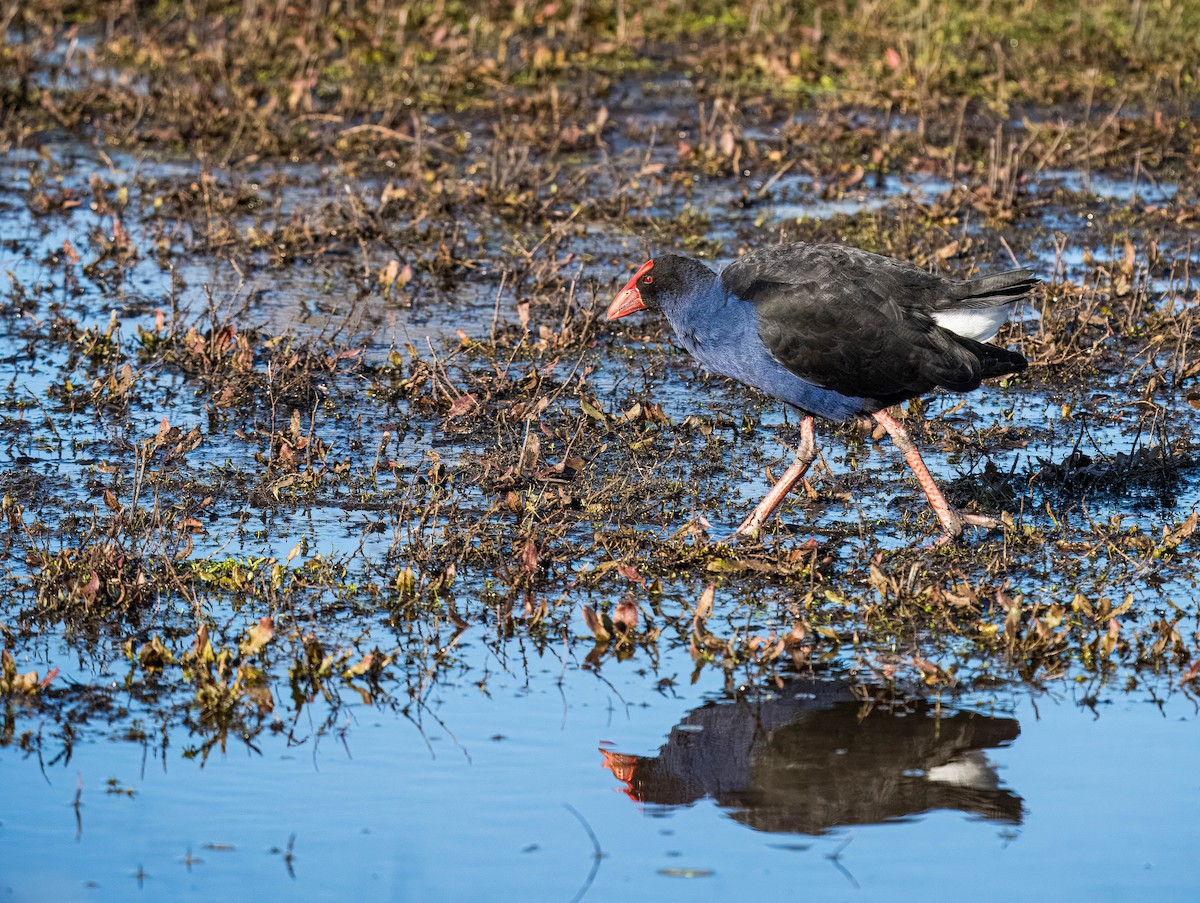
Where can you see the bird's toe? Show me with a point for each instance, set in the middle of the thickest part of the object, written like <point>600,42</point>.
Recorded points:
<point>955,522</point>
<point>744,535</point>
<point>980,520</point>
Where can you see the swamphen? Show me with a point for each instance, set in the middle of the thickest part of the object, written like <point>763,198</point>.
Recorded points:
<point>836,332</point>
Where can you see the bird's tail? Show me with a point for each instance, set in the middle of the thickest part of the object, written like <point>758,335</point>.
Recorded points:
<point>993,360</point>
<point>991,290</point>
<point>975,309</point>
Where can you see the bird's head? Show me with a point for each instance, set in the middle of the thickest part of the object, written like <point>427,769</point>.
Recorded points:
<point>658,283</point>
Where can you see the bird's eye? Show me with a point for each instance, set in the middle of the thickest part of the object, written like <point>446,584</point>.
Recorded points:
<point>648,280</point>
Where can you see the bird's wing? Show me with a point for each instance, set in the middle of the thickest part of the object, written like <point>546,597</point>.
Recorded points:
<point>854,322</point>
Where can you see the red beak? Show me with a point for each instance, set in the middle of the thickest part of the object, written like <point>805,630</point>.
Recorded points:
<point>623,767</point>
<point>629,299</point>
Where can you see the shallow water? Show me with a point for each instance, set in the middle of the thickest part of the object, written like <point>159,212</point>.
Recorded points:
<point>509,760</point>
<point>809,786</point>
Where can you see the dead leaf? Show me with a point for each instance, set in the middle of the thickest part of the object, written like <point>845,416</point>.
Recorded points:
<point>154,656</point>
<point>595,624</point>
<point>531,450</point>
<point>629,572</point>
<point>529,557</point>
<point>703,608</point>
<point>626,614</point>
<point>257,637</point>
<point>462,405</point>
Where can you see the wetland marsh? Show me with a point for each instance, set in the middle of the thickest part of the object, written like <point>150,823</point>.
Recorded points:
<point>347,550</point>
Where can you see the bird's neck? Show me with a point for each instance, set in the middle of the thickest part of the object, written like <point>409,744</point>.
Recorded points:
<point>717,328</point>
<point>692,310</point>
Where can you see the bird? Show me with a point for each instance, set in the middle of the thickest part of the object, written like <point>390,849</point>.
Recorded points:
<point>838,333</point>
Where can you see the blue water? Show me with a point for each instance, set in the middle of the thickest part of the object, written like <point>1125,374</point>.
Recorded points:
<point>477,809</point>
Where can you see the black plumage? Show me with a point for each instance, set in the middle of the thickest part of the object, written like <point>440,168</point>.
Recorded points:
<point>863,325</point>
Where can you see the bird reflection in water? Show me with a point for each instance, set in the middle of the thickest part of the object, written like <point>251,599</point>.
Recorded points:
<point>815,756</point>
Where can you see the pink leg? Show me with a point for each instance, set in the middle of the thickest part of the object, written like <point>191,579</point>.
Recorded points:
<point>805,455</point>
<point>952,519</point>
